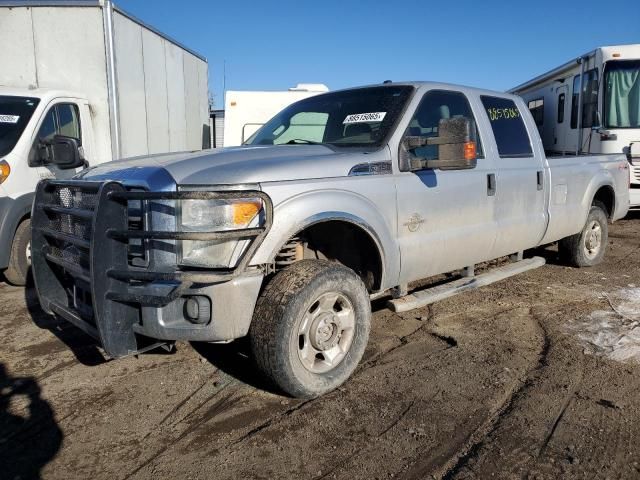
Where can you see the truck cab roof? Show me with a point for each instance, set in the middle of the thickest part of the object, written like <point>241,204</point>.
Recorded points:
<point>44,94</point>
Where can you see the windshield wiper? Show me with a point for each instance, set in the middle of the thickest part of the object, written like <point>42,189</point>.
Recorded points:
<point>299,141</point>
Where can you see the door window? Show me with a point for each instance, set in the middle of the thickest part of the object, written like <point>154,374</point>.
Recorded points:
<point>508,127</point>
<point>439,105</point>
<point>589,99</point>
<point>69,123</point>
<point>561,108</point>
<point>62,119</point>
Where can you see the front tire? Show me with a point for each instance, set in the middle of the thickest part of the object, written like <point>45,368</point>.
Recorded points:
<point>587,248</point>
<point>20,258</point>
<point>310,327</point>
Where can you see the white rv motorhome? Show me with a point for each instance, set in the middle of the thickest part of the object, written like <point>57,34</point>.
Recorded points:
<point>82,83</point>
<point>591,104</point>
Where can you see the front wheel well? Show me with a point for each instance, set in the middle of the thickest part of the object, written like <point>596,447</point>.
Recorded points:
<point>606,196</point>
<point>336,240</point>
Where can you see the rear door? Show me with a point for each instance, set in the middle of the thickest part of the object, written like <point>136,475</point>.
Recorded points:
<point>445,217</point>
<point>520,209</point>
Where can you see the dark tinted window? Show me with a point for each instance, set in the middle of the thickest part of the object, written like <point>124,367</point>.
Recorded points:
<point>438,105</point>
<point>508,127</point>
<point>561,108</point>
<point>536,107</point>
<point>15,113</point>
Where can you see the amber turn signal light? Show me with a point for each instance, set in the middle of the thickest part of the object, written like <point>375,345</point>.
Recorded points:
<point>470,150</point>
<point>244,212</point>
<point>5,170</point>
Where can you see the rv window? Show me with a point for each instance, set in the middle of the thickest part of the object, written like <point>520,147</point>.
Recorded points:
<point>622,94</point>
<point>536,107</point>
<point>508,127</point>
<point>561,108</point>
<point>589,99</point>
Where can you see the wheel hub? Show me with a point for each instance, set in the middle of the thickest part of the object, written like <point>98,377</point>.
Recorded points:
<point>325,332</point>
<point>593,239</point>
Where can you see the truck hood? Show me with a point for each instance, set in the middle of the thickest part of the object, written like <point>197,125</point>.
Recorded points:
<point>237,165</point>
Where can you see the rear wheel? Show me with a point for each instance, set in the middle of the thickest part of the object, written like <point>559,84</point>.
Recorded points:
<point>20,258</point>
<point>310,327</point>
<point>587,248</point>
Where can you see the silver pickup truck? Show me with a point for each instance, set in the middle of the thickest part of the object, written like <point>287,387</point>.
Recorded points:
<point>340,198</point>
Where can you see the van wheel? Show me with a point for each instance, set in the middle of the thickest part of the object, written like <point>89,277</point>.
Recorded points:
<point>310,327</point>
<point>20,258</point>
<point>587,248</point>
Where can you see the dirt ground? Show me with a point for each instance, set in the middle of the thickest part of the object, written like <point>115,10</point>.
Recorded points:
<point>537,376</point>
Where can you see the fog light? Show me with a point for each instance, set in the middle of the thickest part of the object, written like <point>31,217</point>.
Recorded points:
<point>197,309</point>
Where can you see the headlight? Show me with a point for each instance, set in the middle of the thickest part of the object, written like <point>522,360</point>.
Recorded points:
<point>215,216</point>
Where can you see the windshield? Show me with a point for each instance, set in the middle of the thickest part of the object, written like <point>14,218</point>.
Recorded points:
<point>15,113</point>
<point>622,94</point>
<point>351,118</point>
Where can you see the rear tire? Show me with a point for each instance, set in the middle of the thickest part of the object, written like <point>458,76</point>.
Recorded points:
<point>310,327</point>
<point>17,272</point>
<point>587,248</point>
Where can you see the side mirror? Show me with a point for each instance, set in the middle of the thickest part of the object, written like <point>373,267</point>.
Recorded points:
<point>64,152</point>
<point>456,145</point>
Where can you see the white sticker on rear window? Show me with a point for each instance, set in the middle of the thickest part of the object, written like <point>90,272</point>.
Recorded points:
<point>365,117</point>
<point>9,118</point>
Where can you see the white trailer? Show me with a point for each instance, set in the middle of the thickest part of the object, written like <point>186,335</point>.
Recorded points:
<point>85,76</point>
<point>601,117</point>
<point>245,111</point>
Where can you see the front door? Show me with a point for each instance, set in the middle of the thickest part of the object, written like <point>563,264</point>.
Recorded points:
<point>445,217</point>
<point>61,119</point>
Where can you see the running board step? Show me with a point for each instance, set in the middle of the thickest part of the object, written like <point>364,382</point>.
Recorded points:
<point>427,296</point>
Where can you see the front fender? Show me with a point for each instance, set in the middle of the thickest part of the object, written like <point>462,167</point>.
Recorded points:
<point>294,214</point>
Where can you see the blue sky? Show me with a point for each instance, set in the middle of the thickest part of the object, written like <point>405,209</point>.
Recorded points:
<point>490,44</point>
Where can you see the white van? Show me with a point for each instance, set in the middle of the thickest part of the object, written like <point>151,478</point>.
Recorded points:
<point>83,83</point>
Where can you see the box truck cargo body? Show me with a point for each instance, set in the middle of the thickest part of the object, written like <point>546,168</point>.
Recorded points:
<point>82,83</point>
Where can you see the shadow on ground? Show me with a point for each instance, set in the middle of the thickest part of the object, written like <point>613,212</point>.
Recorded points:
<point>235,360</point>
<point>84,347</point>
<point>29,434</point>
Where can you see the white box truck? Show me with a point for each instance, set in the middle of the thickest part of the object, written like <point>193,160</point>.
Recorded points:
<point>246,111</point>
<point>591,104</point>
<point>81,83</point>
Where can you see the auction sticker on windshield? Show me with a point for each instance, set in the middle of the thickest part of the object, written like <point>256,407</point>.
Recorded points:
<point>9,118</point>
<point>365,117</point>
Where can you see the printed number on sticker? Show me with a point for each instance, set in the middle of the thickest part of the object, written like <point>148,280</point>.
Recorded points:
<point>9,119</point>
<point>365,117</point>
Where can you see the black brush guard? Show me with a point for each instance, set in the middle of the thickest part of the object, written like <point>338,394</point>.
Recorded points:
<point>81,268</point>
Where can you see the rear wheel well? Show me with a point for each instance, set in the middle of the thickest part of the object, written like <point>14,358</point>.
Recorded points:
<point>339,241</point>
<point>605,196</point>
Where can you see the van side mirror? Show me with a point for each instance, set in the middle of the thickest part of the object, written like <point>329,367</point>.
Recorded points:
<point>63,152</point>
<point>456,144</point>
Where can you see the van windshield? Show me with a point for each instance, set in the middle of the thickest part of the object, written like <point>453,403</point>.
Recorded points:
<point>362,117</point>
<point>622,94</point>
<point>15,113</point>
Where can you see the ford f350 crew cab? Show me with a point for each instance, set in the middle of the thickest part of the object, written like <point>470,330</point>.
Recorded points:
<point>339,198</point>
